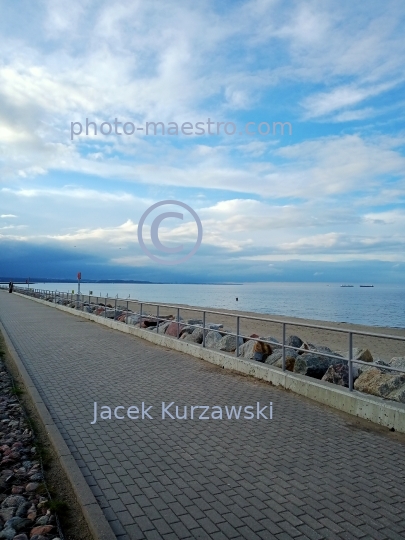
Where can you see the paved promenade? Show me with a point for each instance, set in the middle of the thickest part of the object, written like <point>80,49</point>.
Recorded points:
<point>307,473</point>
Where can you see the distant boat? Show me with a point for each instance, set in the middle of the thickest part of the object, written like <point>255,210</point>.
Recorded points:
<point>366,285</point>
<point>347,285</point>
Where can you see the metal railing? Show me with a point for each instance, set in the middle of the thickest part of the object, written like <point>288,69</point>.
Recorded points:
<point>80,302</point>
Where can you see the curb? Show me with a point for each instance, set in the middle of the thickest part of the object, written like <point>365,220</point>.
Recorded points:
<point>96,521</point>
<point>386,413</point>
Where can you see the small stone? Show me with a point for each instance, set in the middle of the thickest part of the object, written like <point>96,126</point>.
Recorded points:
<point>7,513</point>
<point>36,477</point>
<point>13,500</point>
<point>22,536</point>
<point>41,530</point>
<point>18,523</point>
<point>17,490</point>
<point>22,509</point>
<point>8,533</point>
<point>32,486</point>
<point>43,520</point>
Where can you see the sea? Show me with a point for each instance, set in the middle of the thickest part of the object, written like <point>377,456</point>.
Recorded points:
<point>380,305</point>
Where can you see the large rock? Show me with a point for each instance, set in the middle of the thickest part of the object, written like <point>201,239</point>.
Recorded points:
<point>398,394</point>
<point>377,383</point>
<point>212,339</point>
<point>294,341</point>
<point>196,336</point>
<point>314,364</point>
<point>255,350</point>
<point>398,361</point>
<point>275,344</point>
<point>228,343</point>
<point>276,359</point>
<point>171,329</point>
<point>360,354</point>
<point>362,368</point>
<point>276,355</point>
<point>337,374</point>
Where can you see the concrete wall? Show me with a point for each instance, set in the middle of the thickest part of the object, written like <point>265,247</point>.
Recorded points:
<point>375,409</point>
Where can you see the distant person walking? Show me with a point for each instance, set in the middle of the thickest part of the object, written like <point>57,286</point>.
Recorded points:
<point>10,287</point>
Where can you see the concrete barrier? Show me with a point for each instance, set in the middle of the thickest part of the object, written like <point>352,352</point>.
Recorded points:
<point>377,410</point>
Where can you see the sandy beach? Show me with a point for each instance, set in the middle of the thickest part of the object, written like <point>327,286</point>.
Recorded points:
<point>380,347</point>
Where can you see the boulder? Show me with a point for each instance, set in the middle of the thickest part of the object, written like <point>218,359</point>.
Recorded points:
<point>186,330</point>
<point>306,347</point>
<point>290,357</point>
<point>196,336</point>
<point>398,361</point>
<point>276,355</point>
<point>171,330</point>
<point>294,341</point>
<point>362,368</point>
<point>377,383</point>
<point>337,374</point>
<point>228,343</point>
<point>275,344</point>
<point>212,339</point>
<point>360,354</point>
<point>314,364</point>
<point>255,350</point>
<point>195,322</point>
<point>398,394</point>
<point>164,326</point>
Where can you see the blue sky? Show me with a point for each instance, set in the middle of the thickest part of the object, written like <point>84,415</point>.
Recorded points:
<point>325,203</point>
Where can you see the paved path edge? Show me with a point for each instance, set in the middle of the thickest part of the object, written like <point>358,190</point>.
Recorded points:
<point>389,414</point>
<point>96,521</point>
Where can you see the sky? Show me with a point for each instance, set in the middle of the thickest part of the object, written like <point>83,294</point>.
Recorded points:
<point>322,201</point>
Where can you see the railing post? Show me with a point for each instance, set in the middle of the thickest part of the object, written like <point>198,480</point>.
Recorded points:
<point>350,363</point>
<point>178,323</point>
<point>203,341</point>
<point>140,318</point>
<point>283,346</point>
<point>105,308</point>
<point>115,309</point>
<point>157,319</point>
<point>126,318</point>
<point>237,335</point>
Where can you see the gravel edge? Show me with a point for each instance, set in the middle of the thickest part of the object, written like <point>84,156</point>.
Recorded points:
<point>96,521</point>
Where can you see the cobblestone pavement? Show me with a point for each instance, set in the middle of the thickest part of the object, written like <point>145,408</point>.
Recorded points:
<point>310,472</point>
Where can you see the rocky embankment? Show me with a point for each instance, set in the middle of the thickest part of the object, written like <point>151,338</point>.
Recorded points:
<point>301,357</point>
<point>24,512</point>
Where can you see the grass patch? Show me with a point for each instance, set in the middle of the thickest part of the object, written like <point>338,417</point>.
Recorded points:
<point>57,506</point>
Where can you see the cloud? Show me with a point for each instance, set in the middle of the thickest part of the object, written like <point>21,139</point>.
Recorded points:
<point>5,216</point>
